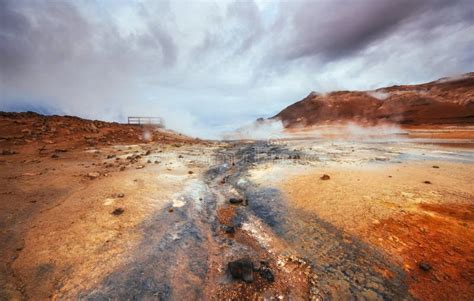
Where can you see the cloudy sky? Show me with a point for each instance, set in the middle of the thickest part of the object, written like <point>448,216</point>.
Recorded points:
<point>210,66</point>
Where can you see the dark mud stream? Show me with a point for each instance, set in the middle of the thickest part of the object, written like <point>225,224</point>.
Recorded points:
<point>177,257</point>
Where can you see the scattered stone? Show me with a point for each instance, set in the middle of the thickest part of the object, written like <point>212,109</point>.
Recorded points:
<point>427,182</point>
<point>147,152</point>
<point>93,175</point>
<point>435,166</point>
<point>139,167</point>
<point>157,162</point>
<point>228,229</point>
<point>118,211</point>
<point>325,177</point>
<point>266,274</point>
<point>424,266</point>
<point>241,269</point>
<point>381,158</point>
<point>190,172</point>
<point>60,150</point>
<point>149,161</point>
<point>235,201</point>
<point>110,156</point>
<point>120,195</point>
<point>54,156</point>
<point>122,168</point>
<point>180,157</point>
<point>297,157</point>
<point>170,209</point>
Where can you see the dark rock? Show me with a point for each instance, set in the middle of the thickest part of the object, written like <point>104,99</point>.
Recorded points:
<point>120,195</point>
<point>60,150</point>
<point>241,269</point>
<point>435,166</point>
<point>147,152</point>
<point>424,266</point>
<point>266,274</point>
<point>228,229</point>
<point>325,177</point>
<point>235,201</point>
<point>190,172</point>
<point>297,157</point>
<point>180,157</point>
<point>427,182</point>
<point>170,209</point>
<point>54,156</point>
<point>118,211</point>
<point>110,156</point>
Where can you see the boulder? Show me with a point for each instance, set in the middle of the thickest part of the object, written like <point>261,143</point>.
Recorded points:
<point>235,201</point>
<point>241,269</point>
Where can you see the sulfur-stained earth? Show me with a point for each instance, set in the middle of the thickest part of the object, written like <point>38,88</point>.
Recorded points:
<point>160,216</point>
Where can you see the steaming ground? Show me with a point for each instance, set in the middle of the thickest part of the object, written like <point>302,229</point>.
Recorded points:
<point>392,219</point>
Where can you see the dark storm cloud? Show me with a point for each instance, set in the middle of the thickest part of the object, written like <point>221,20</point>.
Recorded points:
<point>338,28</point>
<point>30,32</point>
<point>38,33</point>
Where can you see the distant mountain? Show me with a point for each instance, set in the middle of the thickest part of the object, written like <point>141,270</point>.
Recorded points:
<point>445,101</point>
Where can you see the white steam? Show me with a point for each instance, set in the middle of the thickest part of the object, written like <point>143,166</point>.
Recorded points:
<point>267,129</point>
<point>379,95</point>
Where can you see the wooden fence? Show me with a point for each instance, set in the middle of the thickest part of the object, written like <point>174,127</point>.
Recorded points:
<point>155,121</point>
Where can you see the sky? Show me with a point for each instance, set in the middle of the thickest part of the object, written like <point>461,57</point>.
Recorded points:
<point>207,66</point>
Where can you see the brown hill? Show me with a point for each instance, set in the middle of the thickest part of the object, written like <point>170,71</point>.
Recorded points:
<point>445,101</point>
<point>31,132</point>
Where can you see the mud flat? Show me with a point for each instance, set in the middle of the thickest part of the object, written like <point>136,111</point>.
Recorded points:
<point>316,219</point>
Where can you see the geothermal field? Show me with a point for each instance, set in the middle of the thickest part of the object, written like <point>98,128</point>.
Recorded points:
<point>236,150</point>
<point>93,210</point>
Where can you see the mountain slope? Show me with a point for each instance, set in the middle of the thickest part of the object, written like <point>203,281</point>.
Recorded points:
<point>445,101</point>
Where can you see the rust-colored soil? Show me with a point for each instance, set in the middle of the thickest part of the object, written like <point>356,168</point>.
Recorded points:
<point>392,208</point>
<point>441,236</point>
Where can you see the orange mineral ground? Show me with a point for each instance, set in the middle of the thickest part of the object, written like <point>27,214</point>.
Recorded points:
<point>394,208</point>
<point>97,210</point>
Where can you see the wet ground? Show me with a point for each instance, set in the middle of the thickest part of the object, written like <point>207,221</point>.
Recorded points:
<point>318,238</point>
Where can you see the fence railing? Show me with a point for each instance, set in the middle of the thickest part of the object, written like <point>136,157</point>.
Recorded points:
<point>156,121</point>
